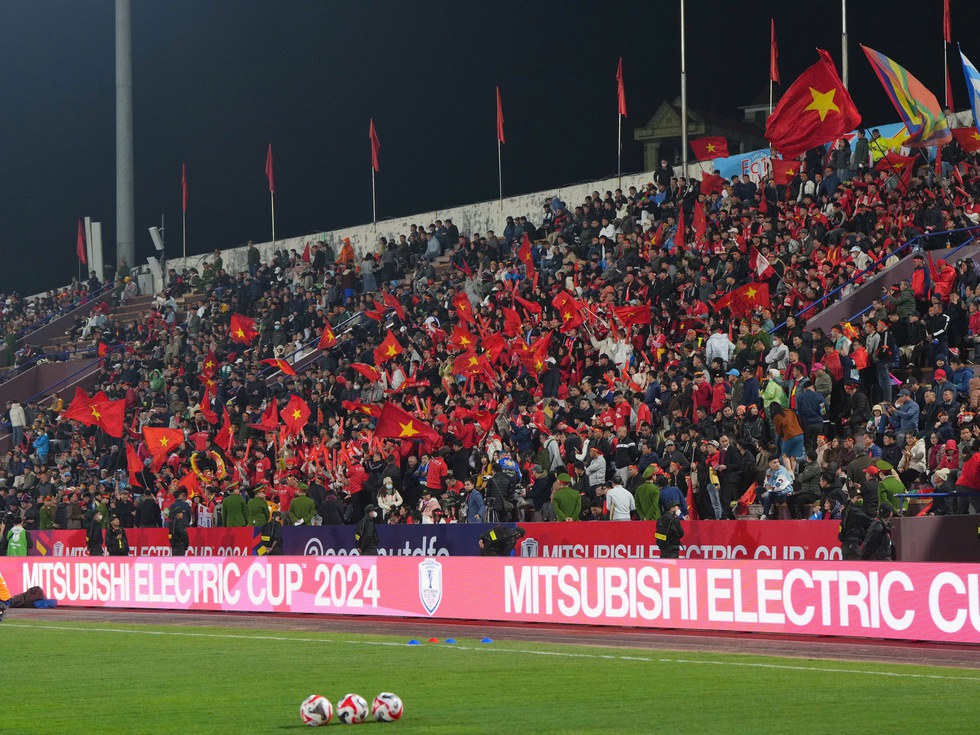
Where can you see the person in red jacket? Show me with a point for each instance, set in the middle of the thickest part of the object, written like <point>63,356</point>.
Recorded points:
<point>945,279</point>
<point>437,471</point>
<point>720,392</point>
<point>969,482</point>
<point>701,395</point>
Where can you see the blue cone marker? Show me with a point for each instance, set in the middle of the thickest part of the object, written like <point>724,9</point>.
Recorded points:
<point>487,640</point>
<point>414,642</point>
<point>450,641</point>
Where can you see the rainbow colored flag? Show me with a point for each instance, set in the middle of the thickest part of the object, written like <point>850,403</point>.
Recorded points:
<point>917,106</point>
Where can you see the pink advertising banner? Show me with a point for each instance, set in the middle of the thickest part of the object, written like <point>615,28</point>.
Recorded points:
<point>781,540</point>
<point>927,602</point>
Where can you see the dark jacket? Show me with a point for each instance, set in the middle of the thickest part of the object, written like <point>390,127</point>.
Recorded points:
<point>178,536</point>
<point>148,514</point>
<point>669,535</point>
<point>366,536</point>
<point>878,541</point>
<point>271,538</point>
<point>116,542</point>
<point>93,538</point>
<point>331,510</point>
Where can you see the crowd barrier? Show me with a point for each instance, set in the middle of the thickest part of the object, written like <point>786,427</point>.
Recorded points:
<point>785,540</point>
<point>926,602</point>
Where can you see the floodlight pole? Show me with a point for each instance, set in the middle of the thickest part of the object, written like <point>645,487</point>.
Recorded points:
<point>683,96</point>
<point>125,222</point>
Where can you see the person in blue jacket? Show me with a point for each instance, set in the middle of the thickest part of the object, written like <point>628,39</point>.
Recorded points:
<point>42,446</point>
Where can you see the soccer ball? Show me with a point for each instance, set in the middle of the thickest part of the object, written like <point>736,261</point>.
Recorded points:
<point>387,707</point>
<point>352,709</point>
<point>316,710</point>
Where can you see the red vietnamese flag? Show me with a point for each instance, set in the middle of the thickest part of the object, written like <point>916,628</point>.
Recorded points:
<point>327,338</point>
<point>369,408</point>
<point>707,149</point>
<point>620,89</point>
<point>183,186</point>
<point>210,366</point>
<point>80,408</point>
<point>524,255</point>
<point>630,315</point>
<point>161,441</point>
<point>815,109</point>
<point>699,222</point>
<point>743,300</point>
<point>895,163</point>
<point>209,413</point>
<point>679,235</point>
<point>569,309</point>
<point>80,244</point>
<point>133,465</point>
<point>269,421</point>
<point>306,254</point>
<point>268,170</point>
<point>773,53</point>
<point>759,264</point>
<point>947,23</point>
<point>462,339</point>
<point>279,364</point>
<point>208,381</point>
<point>659,233</point>
<point>368,371</point>
<point>396,423</point>
<point>192,484</point>
<point>467,365</point>
<point>243,329</point>
<point>500,119</point>
<point>393,303</point>
<point>494,345</point>
<point>968,138</point>
<point>712,183</point>
<point>784,171</point>
<point>388,349</point>
<point>225,438</point>
<point>375,145</point>
<point>512,322</point>
<point>109,415</point>
<point>531,307</point>
<point>295,415</point>
<point>464,309</point>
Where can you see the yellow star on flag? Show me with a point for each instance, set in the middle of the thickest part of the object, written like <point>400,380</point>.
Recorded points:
<point>164,441</point>
<point>567,315</point>
<point>463,341</point>
<point>297,413</point>
<point>408,429</point>
<point>790,172</point>
<point>474,361</point>
<point>95,413</point>
<point>976,135</point>
<point>751,292</point>
<point>392,350</point>
<point>710,147</point>
<point>240,333</point>
<point>823,102</point>
<point>210,364</point>
<point>538,365</point>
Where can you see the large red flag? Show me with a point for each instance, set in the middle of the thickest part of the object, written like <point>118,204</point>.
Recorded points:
<point>160,440</point>
<point>524,255</point>
<point>679,233</point>
<point>183,186</point>
<point>630,315</point>
<point>243,329</point>
<point>327,338</point>
<point>393,303</point>
<point>743,300</point>
<point>699,222</point>
<point>707,149</point>
<point>947,23</point>
<point>269,421</point>
<point>389,348</point>
<point>620,89</point>
<point>784,171</point>
<point>512,322</point>
<point>968,138</point>
<point>375,145</point>
<point>464,309</point>
<point>569,309</point>
<point>500,119</point>
<point>773,53</point>
<point>396,423</point>
<point>268,170</point>
<point>815,109</point>
<point>133,464</point>
<point>80,245</point>
<point>531,307</point>
<point>759,264</point>
<point>225,438</point>
<point>99,411</point>
<point>462,339</point>
<point>712,183</point>
<point>368,371</point>
<point>295,415</point>
<point>279,364</point>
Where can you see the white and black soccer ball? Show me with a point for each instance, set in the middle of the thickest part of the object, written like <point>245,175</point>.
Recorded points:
<point>387,707</point>
<point>316,710</point>
<point>352,709</point>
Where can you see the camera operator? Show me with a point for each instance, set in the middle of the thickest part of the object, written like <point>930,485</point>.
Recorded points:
<point>116,542</point>
<point>500,540</point>
<point>498,488</point>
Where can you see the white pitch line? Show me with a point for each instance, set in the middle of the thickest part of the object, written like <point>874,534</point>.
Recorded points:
<point>528,652</point>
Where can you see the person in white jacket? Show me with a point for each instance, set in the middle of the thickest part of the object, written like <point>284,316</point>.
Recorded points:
<point>595,470</point>
<point>719,346</point>
<point>15,413</point>
<point>778,356</point>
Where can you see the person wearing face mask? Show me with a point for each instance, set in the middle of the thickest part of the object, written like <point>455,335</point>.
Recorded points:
<point>366,535</point>
<point>669,532</point>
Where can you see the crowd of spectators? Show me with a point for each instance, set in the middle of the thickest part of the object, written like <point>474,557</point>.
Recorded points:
<point>586,411</point>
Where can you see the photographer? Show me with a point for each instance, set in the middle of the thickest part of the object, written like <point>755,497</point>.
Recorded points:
<point>500,540</point>
<point>116,542</point>
<point>497,496</point>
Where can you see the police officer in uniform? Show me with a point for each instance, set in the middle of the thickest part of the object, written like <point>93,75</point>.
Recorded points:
<point>271,536</point>
<point>669,532</point>
<point>854,524</point>
<point>178,531</point>
<point>877,544</point>
<point>500,540</point>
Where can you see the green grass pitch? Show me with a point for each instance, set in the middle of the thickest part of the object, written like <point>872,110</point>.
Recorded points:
<point>63,677</point>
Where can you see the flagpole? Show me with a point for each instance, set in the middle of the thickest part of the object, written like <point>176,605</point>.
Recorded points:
<point>500,176</point>
<point>184,219</point>
<point>843,41</point>
<point>374,199</point>
<point>683,96</point>
<point>619,152</point>
<point>770,95</point>
<point>272,198</point>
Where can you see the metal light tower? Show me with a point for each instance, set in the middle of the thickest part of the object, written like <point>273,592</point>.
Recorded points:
<point>125,220</point>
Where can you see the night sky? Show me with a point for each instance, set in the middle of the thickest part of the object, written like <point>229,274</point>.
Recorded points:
<point>216,81</point>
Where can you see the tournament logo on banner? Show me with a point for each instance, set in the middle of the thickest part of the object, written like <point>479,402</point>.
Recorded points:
<point>430,585</point>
